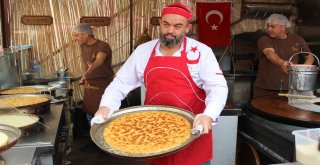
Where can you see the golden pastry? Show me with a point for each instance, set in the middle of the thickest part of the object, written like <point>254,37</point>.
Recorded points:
<point>147,132</point>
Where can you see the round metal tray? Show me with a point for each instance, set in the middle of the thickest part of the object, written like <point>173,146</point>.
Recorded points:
<point>28,95</point>
<point>34,119</point>
<point>96,131</point>
<point>13,133</point>
<point>41,88</point>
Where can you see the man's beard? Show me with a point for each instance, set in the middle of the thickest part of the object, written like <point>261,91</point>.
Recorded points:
<point>170,42</point>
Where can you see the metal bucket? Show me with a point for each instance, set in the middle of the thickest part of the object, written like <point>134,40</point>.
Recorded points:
<point>303,77</point>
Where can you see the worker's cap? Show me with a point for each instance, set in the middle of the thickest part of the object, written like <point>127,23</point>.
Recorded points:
<point>278,19</point>
<point>179,9</point>
<point>83,28</point>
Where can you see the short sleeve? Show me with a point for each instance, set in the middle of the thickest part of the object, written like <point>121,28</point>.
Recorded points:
<point>264,42</point>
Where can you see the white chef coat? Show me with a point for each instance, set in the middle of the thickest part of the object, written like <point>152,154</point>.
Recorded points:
<point>206,74</point>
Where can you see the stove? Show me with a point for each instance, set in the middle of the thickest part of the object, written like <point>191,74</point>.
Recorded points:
<point>39,143</point>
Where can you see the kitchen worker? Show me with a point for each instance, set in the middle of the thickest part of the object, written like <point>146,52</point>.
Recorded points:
<point>96,56</point>
<point>176,71</point>
<point>275,50</point>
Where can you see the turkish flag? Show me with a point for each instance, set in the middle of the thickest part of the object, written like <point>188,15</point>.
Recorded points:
<point>214,23</point>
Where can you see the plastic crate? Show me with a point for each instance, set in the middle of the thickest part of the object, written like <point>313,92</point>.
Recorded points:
<point>307,146</point>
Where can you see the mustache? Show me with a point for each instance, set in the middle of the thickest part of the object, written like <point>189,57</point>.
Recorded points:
<point>169,34</point>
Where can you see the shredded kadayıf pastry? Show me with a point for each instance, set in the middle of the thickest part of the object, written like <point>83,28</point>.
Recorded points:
<point>28,90</point>
<point>20,101</point>
<point>147,132</point>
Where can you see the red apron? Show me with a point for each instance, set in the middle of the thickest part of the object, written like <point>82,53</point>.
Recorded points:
<point>168,82</point>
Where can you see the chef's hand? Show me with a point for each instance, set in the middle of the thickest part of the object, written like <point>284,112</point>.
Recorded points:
<point>203,120</point>
<point>100,116</point>
<point>285,66</point>
<point>82,80</point>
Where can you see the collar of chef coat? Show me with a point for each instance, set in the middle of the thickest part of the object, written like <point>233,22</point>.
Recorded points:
<point>176,54</point>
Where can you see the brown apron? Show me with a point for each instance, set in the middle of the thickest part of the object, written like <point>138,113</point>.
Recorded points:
<point>93,91</point>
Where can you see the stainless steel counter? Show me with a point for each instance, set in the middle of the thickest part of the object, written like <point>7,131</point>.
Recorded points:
<point>228,120</point>
<point>37,145</point>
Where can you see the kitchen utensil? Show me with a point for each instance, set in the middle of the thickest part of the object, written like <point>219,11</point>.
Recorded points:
<point>96,131</point>
<point>303,77</point>
<point>18,120</point>
<point>31,108</point>
<point>26,96</point>
<point>33,117</point>
<point>62,73</point>
<point>58,84</point>
<point>13,133</point>
<point>41,88</point>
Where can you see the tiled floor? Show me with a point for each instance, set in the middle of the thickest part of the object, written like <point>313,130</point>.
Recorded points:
<point>85,152</point>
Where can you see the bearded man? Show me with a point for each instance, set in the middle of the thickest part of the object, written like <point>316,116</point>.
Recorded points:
<point>176,71</point>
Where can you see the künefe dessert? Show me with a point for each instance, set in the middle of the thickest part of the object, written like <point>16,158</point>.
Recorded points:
<point>20,101</point>
<point>147,132</point>
<point>28,90</point>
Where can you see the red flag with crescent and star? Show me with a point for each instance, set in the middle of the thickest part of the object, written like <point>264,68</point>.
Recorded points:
<point>214,23</point>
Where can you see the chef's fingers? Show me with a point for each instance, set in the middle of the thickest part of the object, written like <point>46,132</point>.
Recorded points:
<point>205,121</point>
<point>104,111</point>
<point>89,63</point>
<point>206,126</point>
<point>97,120</point>
<point>285,66</point>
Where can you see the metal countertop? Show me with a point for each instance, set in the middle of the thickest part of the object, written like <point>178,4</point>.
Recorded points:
<point>37,140</point>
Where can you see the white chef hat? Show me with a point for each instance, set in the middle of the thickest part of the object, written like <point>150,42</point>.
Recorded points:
<point>278,19</point>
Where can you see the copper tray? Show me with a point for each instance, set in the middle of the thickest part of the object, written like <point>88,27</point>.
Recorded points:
<point>96,131</point>
<point>41,88</point>
<point>13,133</point>
<point>32,117</point>
<point>29,95</point>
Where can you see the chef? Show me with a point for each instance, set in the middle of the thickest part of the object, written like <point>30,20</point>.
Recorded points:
<point>176,71</point>
<point>97,55</point>
<point>275,50</point>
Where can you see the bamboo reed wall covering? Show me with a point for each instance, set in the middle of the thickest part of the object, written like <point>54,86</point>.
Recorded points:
<point>53,45</point>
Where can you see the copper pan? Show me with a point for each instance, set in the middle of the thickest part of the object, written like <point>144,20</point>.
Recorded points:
<point>41,88</point>
<point>33,119</point>
<point>32,108</point>
<point>13,133</point>
<point>30,95</point>
<point>96,131</point>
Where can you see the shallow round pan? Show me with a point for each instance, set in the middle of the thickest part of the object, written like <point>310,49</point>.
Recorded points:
<point>13,133</point>
<point>96,131</point>
<point>16,120</point>
<point>41,88</point>
<point>26,96</point>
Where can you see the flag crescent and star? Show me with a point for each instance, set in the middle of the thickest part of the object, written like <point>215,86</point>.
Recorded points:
<point>212,12</point>
<point>214,23</point>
